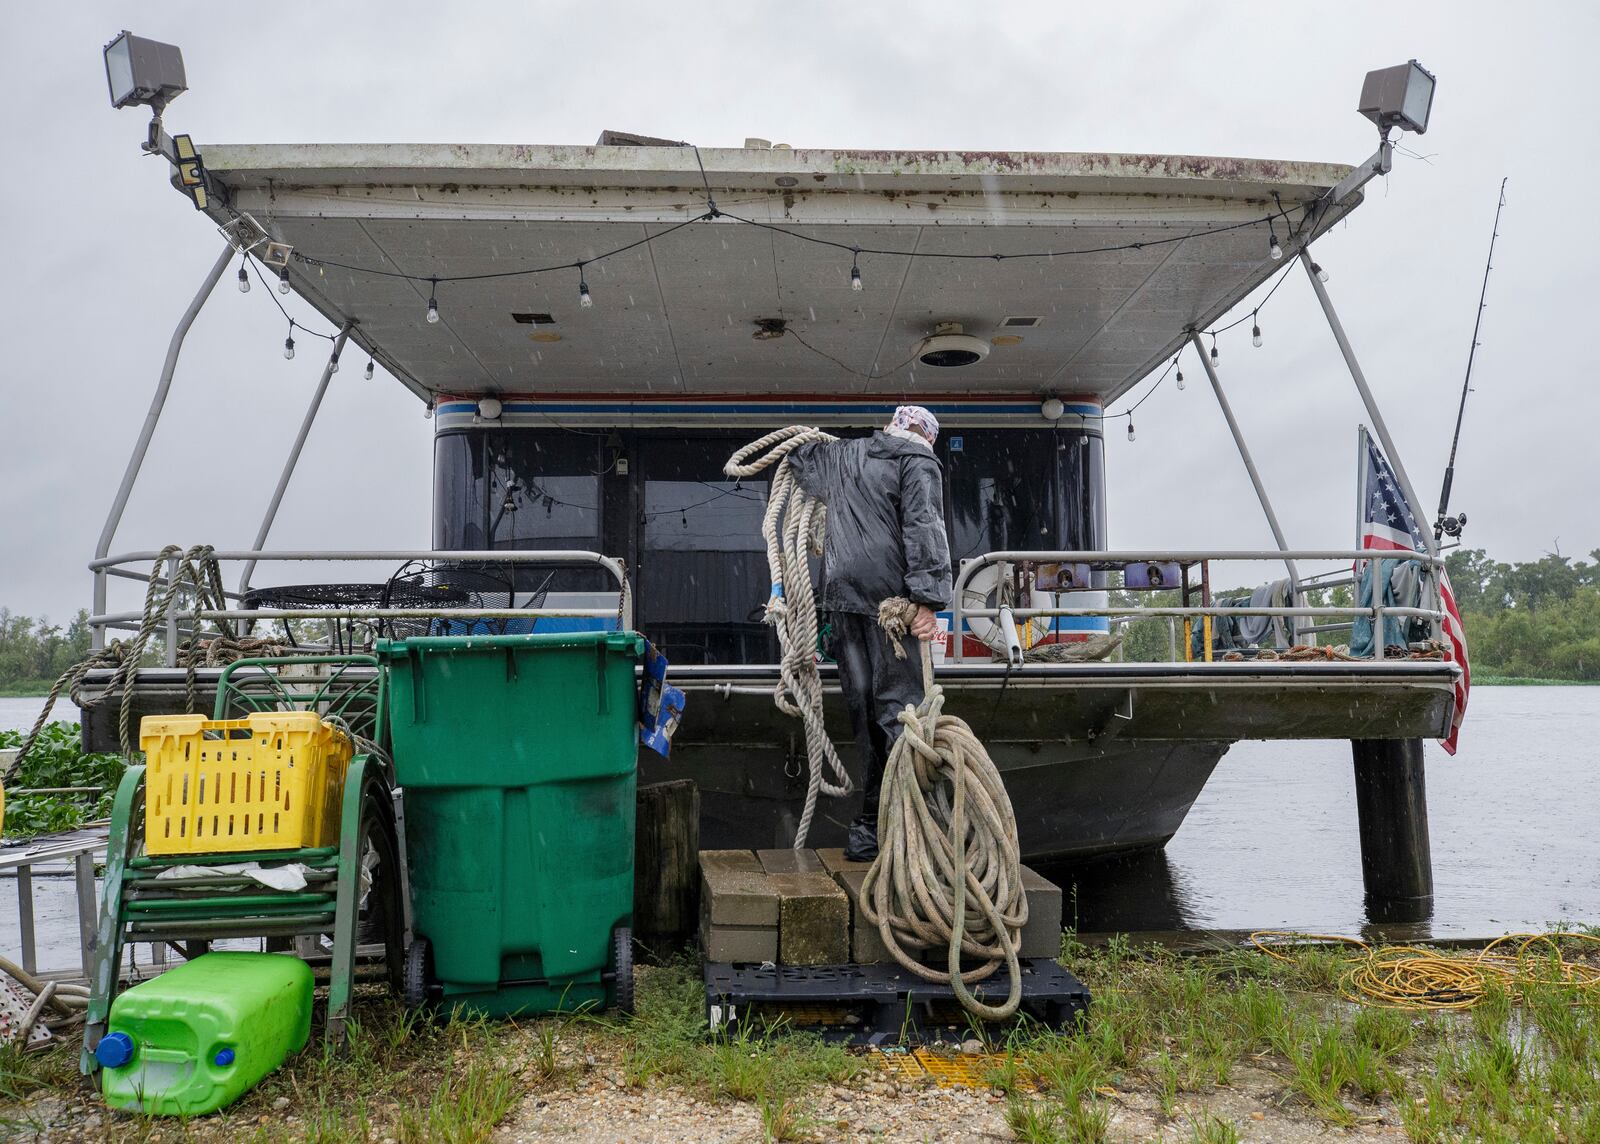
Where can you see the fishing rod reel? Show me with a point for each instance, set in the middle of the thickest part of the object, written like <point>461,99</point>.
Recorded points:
<point>1450,526</point>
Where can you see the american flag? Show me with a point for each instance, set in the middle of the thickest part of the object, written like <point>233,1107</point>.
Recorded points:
<point>1388,523</point>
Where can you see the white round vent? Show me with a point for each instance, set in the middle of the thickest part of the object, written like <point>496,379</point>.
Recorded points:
<point>949,347</point>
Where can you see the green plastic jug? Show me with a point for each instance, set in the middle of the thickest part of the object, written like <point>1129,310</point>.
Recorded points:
<point>199,1036</point>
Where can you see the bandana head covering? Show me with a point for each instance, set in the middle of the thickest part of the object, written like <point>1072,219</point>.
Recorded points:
<point>917,418</point>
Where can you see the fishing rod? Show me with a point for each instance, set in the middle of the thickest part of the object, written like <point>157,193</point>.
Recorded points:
<point>1452,525</point>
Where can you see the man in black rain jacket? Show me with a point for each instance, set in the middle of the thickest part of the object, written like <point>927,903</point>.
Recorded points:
<point>885,537</point>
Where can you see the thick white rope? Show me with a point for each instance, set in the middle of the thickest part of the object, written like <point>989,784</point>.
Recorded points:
<point>945,820</point>
<point>793,527</point>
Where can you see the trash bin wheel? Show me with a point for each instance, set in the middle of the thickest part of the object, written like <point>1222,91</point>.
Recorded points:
<point>419,984</point>
<point>622,964</point>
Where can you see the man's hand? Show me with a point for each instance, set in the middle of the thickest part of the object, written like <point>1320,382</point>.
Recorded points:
<point>925,626</point>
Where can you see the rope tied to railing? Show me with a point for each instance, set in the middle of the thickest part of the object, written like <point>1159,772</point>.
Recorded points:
<point>793,526</point>
<point>949,866</point>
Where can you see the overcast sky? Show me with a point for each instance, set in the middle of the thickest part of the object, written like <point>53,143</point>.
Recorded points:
<point>103,256</point>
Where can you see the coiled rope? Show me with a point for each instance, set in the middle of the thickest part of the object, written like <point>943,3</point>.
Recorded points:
<point>949,869</point>
<point>1411,977</point>
<point>792,526</point>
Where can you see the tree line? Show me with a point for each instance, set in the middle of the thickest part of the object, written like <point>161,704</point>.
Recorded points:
<point>34,653</point>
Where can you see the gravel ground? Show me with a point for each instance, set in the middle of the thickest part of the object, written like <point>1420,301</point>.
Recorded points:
<point>599,1108</point>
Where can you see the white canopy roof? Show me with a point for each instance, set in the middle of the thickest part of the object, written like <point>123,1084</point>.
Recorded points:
<point>674,314</point>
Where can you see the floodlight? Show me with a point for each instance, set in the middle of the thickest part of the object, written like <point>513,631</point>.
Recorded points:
<point>1400,96</point>
<point>141,71</point>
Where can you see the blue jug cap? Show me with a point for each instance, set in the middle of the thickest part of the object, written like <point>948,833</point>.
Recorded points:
<point>223,1059</point>
<point>114,1050</point>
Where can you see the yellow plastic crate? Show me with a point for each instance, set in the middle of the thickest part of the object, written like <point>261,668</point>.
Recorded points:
<point>271,781</point>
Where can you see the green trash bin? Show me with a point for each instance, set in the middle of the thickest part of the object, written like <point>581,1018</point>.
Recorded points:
<point>517,755</point>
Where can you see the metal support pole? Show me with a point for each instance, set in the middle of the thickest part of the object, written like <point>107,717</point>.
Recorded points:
<point>83,871</point>
<point>30,952</point>
<point>1360,379</point>
<point>1392,813</point>
<point>294,457</point>
<point>119,503</point>
<point>1250,465</point>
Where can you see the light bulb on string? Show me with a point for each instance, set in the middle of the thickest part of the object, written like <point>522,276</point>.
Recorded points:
<point>288,343</point>
<point>855,271</point>
<point>244,279</point>
<point>1319,272</point>
<point>283,280</point>
<point>1216,362</point>
<point>1273,248</point>
<point>1255,330</point>
<point>1130,427</point>
<point>584,299</point>
<point>369,369</point>
<point>433,300</point>
<point>333,364</point>
<point>1179,381</point>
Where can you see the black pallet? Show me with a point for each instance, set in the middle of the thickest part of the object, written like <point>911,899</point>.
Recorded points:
<point>876,1004</point>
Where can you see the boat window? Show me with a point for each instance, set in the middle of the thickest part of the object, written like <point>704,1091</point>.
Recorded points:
<point>544,490</point>
<point>703,577</point>
<point>458,491</point>
<point>1021,489</point>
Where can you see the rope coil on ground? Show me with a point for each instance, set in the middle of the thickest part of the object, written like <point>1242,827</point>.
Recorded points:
<point>945,820</point>
<point>792,526</point>
<point>1411,977</point>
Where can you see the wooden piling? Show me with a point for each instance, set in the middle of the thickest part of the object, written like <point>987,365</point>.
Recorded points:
<point>1392,809</point>
<point>666,862</point>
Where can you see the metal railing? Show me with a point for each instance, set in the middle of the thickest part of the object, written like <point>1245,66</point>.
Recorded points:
<point>1006,614</point>
<point>78,856</point>
<point>136,566</point>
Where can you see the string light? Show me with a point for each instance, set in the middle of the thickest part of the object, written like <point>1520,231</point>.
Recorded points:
<point>369,369</point>
<point>1273,248</point>
<point>855,270</point>
<point>1179,381</point>
<point>583,290</point>
<point>333,364</point>
<point>1255,329</point>
<point>1319,272</point>
<point>1130,427</point>
<point>288,343</point>
<point>244,278</point>
<point>283,280</point>
<point>433,300</point>
<point>1216,362</point>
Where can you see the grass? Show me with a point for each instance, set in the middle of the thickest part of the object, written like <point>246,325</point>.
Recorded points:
<point>1184,1038</point>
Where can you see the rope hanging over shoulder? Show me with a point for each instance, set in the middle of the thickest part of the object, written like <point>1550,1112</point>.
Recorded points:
<point>945,820</point>
<point>794,525</point>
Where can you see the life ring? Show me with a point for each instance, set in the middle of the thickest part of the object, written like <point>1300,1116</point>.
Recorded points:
<point>977,594</point>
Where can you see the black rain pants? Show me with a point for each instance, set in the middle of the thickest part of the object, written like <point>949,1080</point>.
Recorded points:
<point>876,686</point>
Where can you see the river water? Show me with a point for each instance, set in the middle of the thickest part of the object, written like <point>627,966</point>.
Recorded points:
<point>1272,840</point>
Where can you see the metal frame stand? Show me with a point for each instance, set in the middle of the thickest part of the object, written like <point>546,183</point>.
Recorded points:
<point>119,503</point>
<point>294,455</point>
<point>1249,464</point>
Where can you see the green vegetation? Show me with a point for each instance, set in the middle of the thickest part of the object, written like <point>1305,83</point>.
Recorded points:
<point>1197,1046</point>
<point>1539,620</point>
<point>57,760</point>
<point>34,653</point>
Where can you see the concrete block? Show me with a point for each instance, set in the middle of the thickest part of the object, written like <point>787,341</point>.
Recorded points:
<point>866,946</point>
<point>740,943</point>
<point>834,861</point>
<point>790,861</point>
<point>734,891</point>
<point>1041,937</point>
<point>814,919</point>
